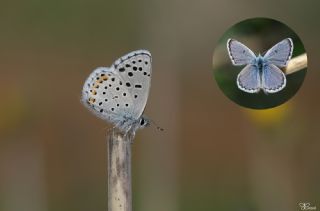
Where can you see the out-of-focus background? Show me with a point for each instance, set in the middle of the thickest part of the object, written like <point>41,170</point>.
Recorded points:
<point>213,154</point>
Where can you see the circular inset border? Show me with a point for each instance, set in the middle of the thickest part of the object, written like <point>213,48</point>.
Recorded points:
<point>259,35</point>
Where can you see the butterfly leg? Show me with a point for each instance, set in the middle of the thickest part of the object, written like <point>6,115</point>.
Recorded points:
<point>130,133</point>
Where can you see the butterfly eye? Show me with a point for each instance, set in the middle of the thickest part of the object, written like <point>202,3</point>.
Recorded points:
<point>142,121</point>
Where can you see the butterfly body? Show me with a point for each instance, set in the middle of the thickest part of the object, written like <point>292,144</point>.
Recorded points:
<point>128,123</point>
<point>260,72</point>
<point>259,62</point>
<point>118,94</point>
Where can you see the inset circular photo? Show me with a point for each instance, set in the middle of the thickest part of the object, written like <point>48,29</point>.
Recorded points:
<point>259,63</point>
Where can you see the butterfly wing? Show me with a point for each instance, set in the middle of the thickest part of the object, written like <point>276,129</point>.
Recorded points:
<point>280,53</point>
<point>248,79</point>
<point>239,53</point>
<point>135,71</point>
<point>105,94</point>
<point>273,79</point>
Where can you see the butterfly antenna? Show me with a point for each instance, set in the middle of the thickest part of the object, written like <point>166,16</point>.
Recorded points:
<point>156,125</point>
<point>264,52</point>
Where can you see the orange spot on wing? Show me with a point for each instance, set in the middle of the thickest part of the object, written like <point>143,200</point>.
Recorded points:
<point>91,100</point>
<point>104,77</point>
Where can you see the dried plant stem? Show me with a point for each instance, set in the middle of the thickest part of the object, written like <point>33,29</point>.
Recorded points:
<point>119,172</point>
<point>297,63</point>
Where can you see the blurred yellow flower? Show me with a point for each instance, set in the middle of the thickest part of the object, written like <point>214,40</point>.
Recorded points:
<point>270,117</point>
<point>12,110</point>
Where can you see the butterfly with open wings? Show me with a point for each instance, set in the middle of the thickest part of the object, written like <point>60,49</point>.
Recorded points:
<point>261,72</point>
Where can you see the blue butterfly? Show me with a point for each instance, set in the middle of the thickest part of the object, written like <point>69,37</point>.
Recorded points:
<point>261,72</point>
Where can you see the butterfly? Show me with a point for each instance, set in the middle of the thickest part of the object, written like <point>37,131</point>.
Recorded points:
<point>118,94</point>
<point>261,72</point>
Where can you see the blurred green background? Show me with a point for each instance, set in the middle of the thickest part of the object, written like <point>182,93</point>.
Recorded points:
<point>213,154</point>
<point>259,34</point>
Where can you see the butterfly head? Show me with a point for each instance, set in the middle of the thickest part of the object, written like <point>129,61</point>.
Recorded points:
<point>144,122</point>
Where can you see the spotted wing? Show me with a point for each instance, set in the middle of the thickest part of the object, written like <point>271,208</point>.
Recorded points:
<point>248,79</point>
<point>135,71</point>
<point>106,95</point>
<point>280,53</point>
<point>239,53</point>
<point>273,79</point>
